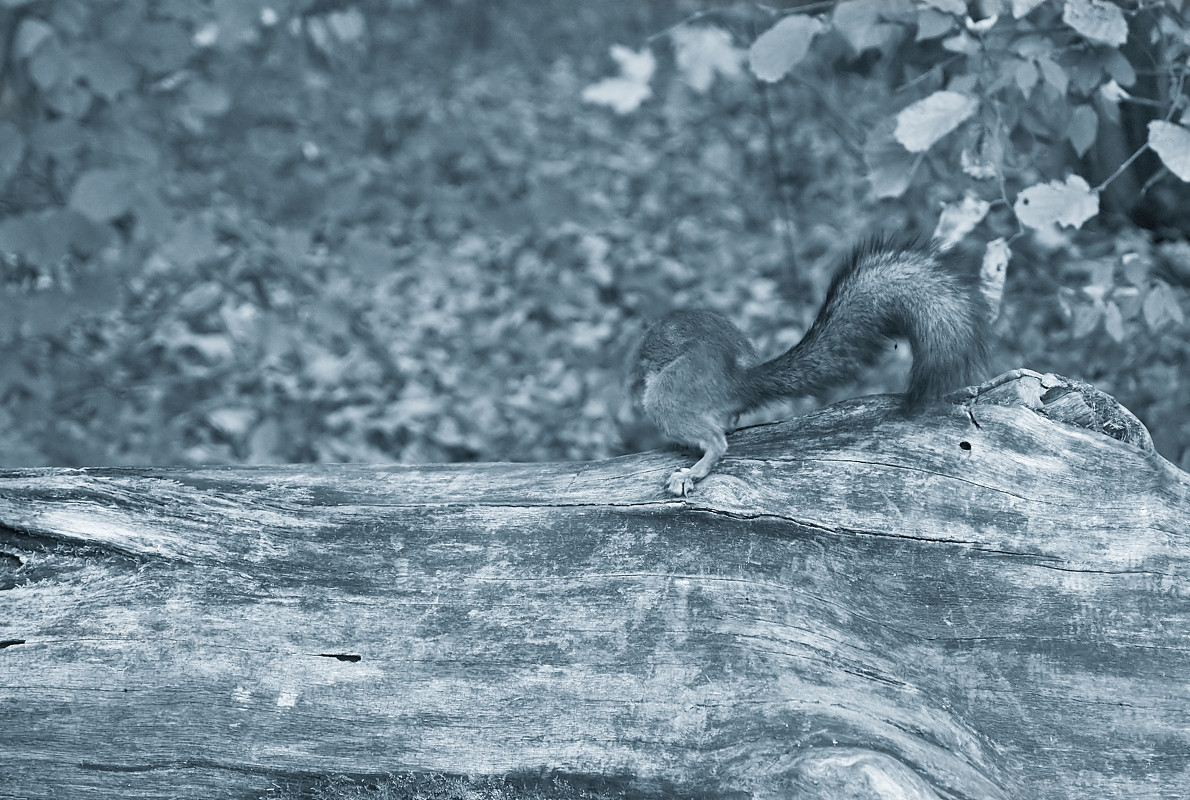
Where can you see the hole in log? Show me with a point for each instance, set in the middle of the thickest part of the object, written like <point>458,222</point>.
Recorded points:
<point>964,445</point>
<point>10,643</point>
<point>341,656</point>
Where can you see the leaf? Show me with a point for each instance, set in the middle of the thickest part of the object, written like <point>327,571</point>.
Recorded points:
<point>983,158</point>
<point>1086,319</point>
<point>1083,128</point>
<point>1097,20</point>
<point>933,24</point>
<point>923,123</point>
<point>959,219</point>
<point>862,22</point>
<point>47,67</point>
<point>703,52</point>
<point>1026,76</point>
<point>1022,7</point>
<point>348,25</point>
<point>233,421</point>
<point>1171,143</point>
<point>102,194</point>
<point>625,93</point>
<point>1136,268</point>
<point>782,46</point>
<point>30,34</point>
<point>1053,74</point>
<point>1069,203</point>
<point>890,166</point>
<point>992,273</point>
<point>949,6</point>
<point>1113,322</point>
<point>982,26</point>
<point>1113,93</point>
<point>1120,68</point>
<point>1161,306</point>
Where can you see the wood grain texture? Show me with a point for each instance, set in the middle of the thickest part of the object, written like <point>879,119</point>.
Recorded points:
<point>855,604</point>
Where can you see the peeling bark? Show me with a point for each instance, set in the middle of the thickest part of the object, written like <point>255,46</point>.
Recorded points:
<point>978,602</point>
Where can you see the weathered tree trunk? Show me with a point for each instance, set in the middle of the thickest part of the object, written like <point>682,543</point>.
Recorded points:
<point>855,604</point>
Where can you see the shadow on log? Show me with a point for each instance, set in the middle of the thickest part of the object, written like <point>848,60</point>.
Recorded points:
<point>975,603</point>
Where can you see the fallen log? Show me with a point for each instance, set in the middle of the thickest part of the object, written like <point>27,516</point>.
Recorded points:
<point>976,603</point>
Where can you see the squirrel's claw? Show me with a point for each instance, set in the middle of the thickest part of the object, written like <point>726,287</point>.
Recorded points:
<point>681,482</point>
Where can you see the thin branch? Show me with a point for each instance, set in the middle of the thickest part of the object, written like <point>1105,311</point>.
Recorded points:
<point>1120,169</point>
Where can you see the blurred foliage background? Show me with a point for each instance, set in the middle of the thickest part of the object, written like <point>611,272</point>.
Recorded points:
<point>262,231</point>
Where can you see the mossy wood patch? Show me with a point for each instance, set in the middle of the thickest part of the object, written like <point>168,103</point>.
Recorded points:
<point>853,600</point>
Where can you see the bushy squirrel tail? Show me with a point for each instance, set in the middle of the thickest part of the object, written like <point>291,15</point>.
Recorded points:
<point>885,291</point>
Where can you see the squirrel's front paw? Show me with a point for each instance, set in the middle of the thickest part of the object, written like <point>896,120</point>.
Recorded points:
<point>681,483</point>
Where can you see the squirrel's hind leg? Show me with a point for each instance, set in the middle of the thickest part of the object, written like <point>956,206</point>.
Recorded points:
<point>714,445</point>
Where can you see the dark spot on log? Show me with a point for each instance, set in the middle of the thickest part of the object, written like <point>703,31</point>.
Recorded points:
<point>10,643</point>
<point>9,564</point>
<point>341,656</point>
<point>964,445</point>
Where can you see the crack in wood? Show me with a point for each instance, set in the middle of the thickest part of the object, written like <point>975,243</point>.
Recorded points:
<point>352,658</point>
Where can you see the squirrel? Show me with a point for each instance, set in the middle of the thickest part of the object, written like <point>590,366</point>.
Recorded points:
<point>695,372</point>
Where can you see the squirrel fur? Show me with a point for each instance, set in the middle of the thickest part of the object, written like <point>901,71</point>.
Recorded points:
<point>695,372</point>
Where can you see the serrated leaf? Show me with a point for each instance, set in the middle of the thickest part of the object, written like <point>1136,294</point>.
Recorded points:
<point>782,47</point>
<point>1172,145</point>
<point>1069,203</point>
<point>959,219</point>
<point>1096,20</point>
<point>923,123</point>
<point>703,52</point>
<point>102,194</point>
<point>1083,128</point>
